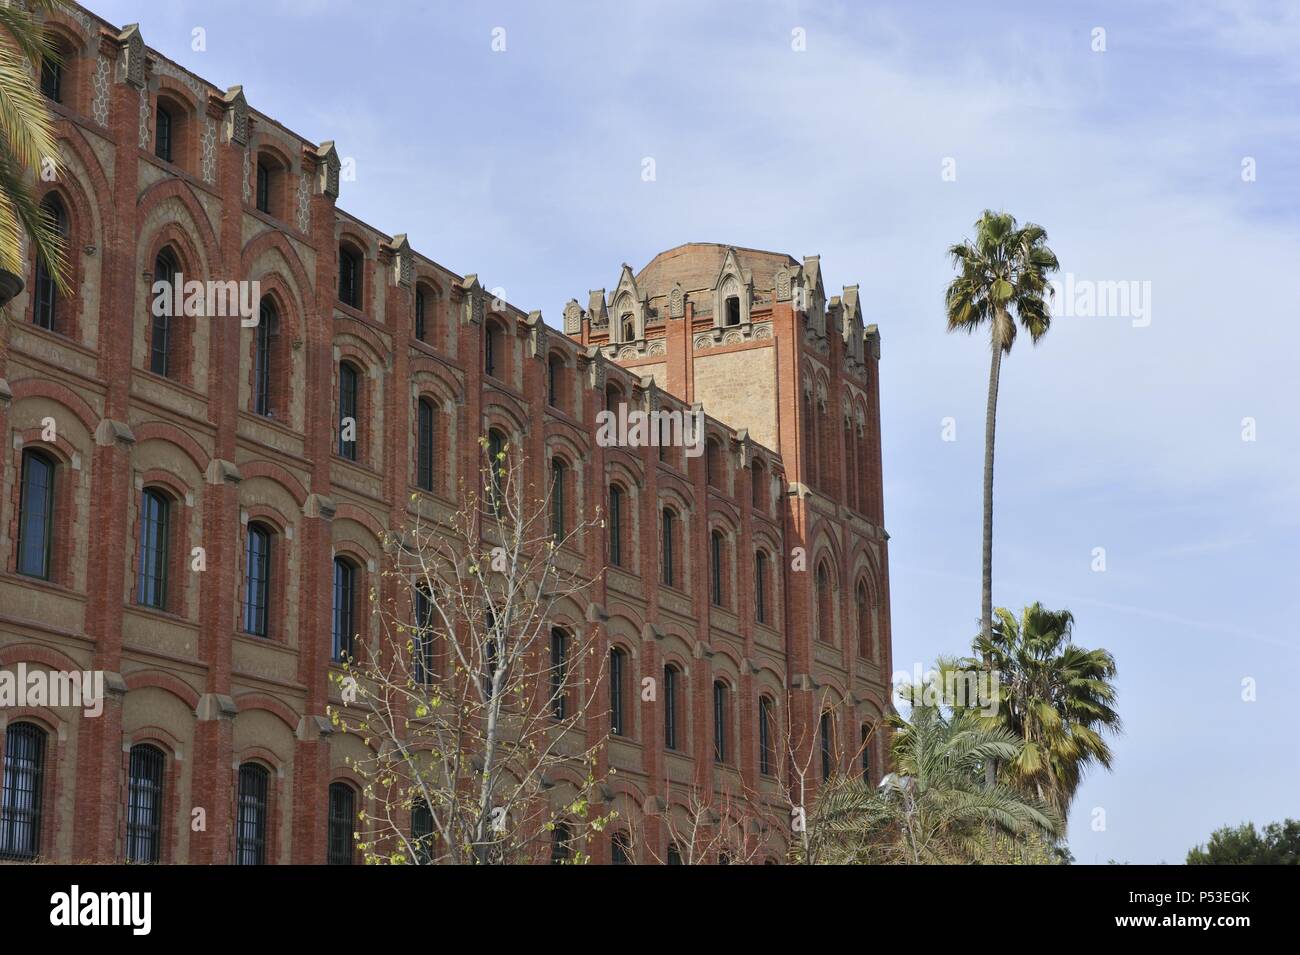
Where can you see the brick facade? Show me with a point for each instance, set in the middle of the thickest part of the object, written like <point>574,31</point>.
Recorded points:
<point>790,388</point>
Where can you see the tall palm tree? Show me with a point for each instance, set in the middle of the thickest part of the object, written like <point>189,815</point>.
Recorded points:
<point>1057,697</point>
<point>933,809</point>
<point>26,138</point>
<point>1002,278</point>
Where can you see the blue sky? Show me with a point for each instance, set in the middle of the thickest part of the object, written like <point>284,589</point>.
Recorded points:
<point>525,167</point>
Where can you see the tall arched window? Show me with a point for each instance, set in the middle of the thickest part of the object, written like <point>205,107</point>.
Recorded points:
<point>554,381</point>
<point>163,129</point>
<point>559,673</point>
<point>713,463</point>
<point>22,791</point>
<point>810,441</point>
<point>620,849</point>
<point>268,327</point>
<point>155,533</point>
<point>669,529</point>
<point>733,310</point>
<point>45,312</point>
<point>825,607</point>
<point>851,466</point>
<point>349,425</point>
<point>345,603</point>
<point>864,621</point>
<point>561,843</point>
<point>257,579</point>
<point>36,516</point>
<point>496,488</point>
<point>558,472</point>
<point>716,545</point>
<point>760,587</point>
<point>827,746</point>
<point>613,398</point>
<point>617,691</point>
<point>424,434</point>
<point>422,833</point>
<point>342,815</point>
<point>719,721</point>
<point>251,821</point>
<point>616,525</point>
<point>758,487</point>
<point>144,804</point>
<point>494,349</point>
<point>766,755</point>
<point>866,753</point>
<point>263,196</point>
<point>422,644</point>
<point>350,276</point>
<point>52,77</point>
<point>672,679</point>
<point>160,342</point>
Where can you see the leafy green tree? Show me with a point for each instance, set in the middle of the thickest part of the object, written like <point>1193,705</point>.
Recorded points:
<point>26,138</point>
<point>934,809</point>
<point>1278,844</point>
<point>1002,277</point>
<point>1057,697</point>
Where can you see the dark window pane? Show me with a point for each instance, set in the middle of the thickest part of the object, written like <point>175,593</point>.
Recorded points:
<point>144,804</point>
<point>257,579</point>
<point>670,707</point>
<point>764,736</point>
<point>250,825</point>
<point>52,79</point>
<point>21,795</point>
<point>720,722</point>
<point>164,270</point>
<point>668,532</point>
<point>616,525</point>
<point>36,520</point>
<point>155,512</point>
<point>345,584</point>
<point>263,188</point>
<point>162,144</point>
<point>617,660</point>
<point>559,673</point>
<point>348,412</point>
<point>342,811</point>
<point>424,445</point>
<point>557,499</point>
<point>422,833</point>
<point>422,644</point>
<point>262,367</point>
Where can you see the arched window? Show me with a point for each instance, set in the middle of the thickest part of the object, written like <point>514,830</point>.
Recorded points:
<point>494,349</point>
<point>36,516</point>
<point>424,434</point>
<point>422,833</point>
<point>827,746</point>
<point>613,398</point>
<point>851,489</point>
<point>144,809</point>
<point>160,342</point>
<point>52,76</point>
<point>268,330</point>
<point>250,825</point>
<point>342,815</point>
<point>758,487</point>
<point>615,525</point>
<point>559,673</point>
<point>496,447</point>
<point>554,381</point>
<point>825,608</point>
<point>810,441</point>
<point>716,545</point>
<point>163,129</point>
<point>617,691</point>
<point>155,533</point>
<point>733,310</point>
<point>257,579</point>
<point>558,473</point>
<point>45,311</point>
<point>713,463</point>
<point>760,587</point>
<point>766,754</point>
<point>349,425</point>
<point>350,276</point>
<point>627,327</point>
<point>345,604</point>
<point>719,721</point>
<point>866,753</point>
<point>620,849</point>
<point>422,644</point>
<point>672,680</point>
<point>674,854</point>
<point>561,843</point>
<point>667,565</point>
<point>23,789</point>
<point>864,621</point>
<point>419,314</point>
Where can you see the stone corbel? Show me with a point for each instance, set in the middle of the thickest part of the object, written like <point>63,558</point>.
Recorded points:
<point>222,472</point>
<point>110,433</point>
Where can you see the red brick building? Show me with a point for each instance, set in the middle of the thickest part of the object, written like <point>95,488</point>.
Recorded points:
<point>129,442</point>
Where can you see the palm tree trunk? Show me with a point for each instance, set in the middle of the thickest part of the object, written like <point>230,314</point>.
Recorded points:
<point>990,427</point>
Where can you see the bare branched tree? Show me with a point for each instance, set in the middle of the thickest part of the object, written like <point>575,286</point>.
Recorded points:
<point>474,702</point>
